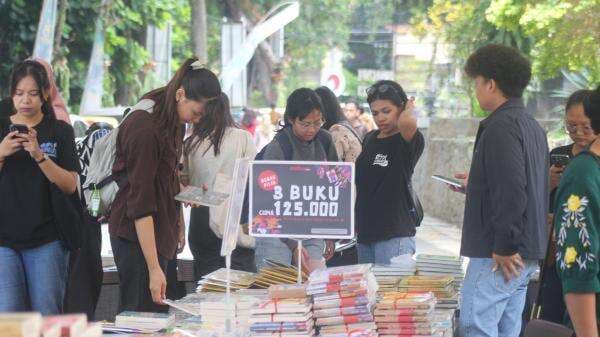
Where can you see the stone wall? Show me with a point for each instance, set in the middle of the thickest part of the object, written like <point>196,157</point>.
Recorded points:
<point>448,150</point>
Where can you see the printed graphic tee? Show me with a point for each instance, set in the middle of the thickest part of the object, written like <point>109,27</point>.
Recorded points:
<point>383,199</point>
<point>26,219</point>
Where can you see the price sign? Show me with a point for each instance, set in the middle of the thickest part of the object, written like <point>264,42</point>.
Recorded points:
<point>301,199</point>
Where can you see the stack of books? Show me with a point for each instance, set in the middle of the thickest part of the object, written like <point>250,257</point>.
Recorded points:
<point>441,265</point>
<point>21,324</point>
<point>217,281</point>
<point>275,273</point>
<point>406,314</point>
<point>389,276</point>
<point>441,286</point>
<point>34,325</point>
<point>145,321</point>
<point>444,322</point>
<point>286,313</point>
<point>343,298</point>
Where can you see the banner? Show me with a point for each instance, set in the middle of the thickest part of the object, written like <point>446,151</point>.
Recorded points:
<point>44,37</point>
<point>294,199</point>
<point>234,212</point>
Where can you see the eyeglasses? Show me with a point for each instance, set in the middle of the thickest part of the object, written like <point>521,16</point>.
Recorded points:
<point>314,125</point>
<point>382,89</point>
<point>573,128</point>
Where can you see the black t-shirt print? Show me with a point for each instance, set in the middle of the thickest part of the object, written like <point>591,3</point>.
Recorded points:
<point>383,198</point>
<point>26,219</point>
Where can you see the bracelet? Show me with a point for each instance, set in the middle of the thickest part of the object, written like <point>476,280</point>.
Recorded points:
<point>41,160</point>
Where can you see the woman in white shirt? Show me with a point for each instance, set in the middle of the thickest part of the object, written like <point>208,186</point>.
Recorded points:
<point>209,158</point>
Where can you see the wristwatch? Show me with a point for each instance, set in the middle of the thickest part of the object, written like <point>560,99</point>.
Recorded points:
<point>44,157</point>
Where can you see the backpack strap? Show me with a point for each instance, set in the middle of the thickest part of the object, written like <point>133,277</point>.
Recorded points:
<point>368,137</point>
<point>286,145</point>
<point>353,132</point>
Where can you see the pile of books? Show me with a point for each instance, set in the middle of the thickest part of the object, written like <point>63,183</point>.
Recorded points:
<point>441,265</point>
<point>275,273</point>
<point>444,322</point>
<point>217,281</point>
<point>441,286</point>
<point>343,298</point>
<point>406,314</point>
<point>216,310</point>
<point>388,276</point>
<point>286,313</point>
<point>34,325</point>
<point>144,321</point>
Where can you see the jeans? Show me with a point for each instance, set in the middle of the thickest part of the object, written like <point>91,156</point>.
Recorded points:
<point>491,307</point>
<point>34,279</point>
<point>381,252</point>
<point>277,250</point>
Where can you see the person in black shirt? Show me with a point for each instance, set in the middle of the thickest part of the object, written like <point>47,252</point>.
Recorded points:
<point>383,172</point>
<point>578,127</point>
<point>40,153</point>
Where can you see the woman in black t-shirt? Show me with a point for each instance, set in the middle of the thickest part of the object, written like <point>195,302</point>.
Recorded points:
<point>386,227</point>
<point>36,151</point>
<point>578,127</point>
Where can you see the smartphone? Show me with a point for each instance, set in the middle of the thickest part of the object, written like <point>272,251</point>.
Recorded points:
<point>449,181</point>
<point>20,128</point>
<point>560,160</point>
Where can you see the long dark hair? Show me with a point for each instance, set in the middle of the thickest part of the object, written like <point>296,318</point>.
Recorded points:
<point>198,84</point>
<point>37,71</point>
<point>591,108</point>
<point>300,104</point>
<point>332,111</point>
<point>213,125</point>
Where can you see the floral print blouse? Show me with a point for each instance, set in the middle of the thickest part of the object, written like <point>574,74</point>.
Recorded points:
<point>347,142</point>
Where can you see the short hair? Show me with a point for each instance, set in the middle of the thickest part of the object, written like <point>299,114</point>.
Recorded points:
<point>576,98</point>
<point>353,101</point>
<point>332,112</point>
<point>387,90</point>
<point>591,108</point>
<point>505,65</point>
<point>300,104</point>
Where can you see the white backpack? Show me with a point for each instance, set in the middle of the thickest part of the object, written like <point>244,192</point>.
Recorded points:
<point>100,188</point>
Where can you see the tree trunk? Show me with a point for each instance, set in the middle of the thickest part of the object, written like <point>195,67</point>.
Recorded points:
<point>60,25</point>
<point>199,29</point>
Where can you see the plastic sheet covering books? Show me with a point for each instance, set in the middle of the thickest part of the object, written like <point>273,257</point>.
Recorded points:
<point>291,316</point>
<point>217,281</point>
<point>343,300</point>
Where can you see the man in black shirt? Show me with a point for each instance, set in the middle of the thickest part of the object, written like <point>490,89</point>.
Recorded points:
<point>504,230</point>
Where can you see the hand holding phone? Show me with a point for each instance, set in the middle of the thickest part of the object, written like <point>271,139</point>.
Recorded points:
<point>20,128</point>
<point>454,184</point>
<point>559,160</point>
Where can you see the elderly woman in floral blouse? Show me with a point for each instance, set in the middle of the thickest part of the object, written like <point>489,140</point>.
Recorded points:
<point>577,230</point>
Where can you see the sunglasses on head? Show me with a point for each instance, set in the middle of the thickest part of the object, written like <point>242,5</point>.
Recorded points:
<point>384,88</point>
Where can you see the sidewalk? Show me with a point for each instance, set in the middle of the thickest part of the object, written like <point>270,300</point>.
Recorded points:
<point>435,236</point>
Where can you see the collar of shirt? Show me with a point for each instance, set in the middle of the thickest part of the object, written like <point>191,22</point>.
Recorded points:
<point>502,110</point>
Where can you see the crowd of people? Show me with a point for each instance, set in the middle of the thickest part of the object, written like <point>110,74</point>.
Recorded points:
<point>512,187</point>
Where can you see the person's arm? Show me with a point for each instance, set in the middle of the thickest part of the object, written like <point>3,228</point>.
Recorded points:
<point>144,228</point>
<point>407,122</point>
<point>578,243</point>
<point>505,170</point>
<point>64,179</point>
<point>582,311</point>
<point>141,154</point>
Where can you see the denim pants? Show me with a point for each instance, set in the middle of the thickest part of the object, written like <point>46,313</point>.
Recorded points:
<point>277,250</point>
<point>34,279</point>
<point>491,307</point>
<point>381,252</point>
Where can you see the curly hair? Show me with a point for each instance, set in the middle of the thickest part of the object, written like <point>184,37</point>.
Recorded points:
<point>505,65</point>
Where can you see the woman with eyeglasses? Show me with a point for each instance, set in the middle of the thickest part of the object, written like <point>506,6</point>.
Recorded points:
<point>577,228</point>
<point>384,169</point>
<point>303,119</point>
<point>578,127</point>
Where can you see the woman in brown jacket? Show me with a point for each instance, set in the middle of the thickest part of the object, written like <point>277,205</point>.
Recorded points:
<point>145,226</point>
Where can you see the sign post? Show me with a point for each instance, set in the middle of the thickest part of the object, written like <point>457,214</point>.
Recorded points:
<point>301,200</point>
